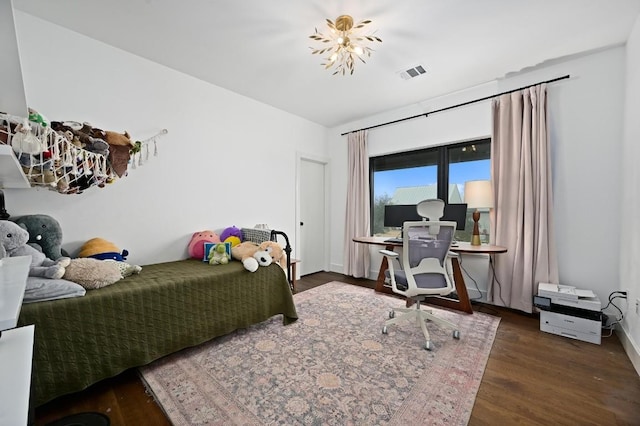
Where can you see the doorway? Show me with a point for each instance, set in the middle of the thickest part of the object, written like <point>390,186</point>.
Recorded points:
<point>312,214</point>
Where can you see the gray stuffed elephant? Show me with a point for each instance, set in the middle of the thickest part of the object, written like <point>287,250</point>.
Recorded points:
<point>14,241</point>
<point>45,234</point>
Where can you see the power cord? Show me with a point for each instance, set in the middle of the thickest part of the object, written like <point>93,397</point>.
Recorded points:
<point>613,296</point>
<point>497,281</point>
<point>473,299</point>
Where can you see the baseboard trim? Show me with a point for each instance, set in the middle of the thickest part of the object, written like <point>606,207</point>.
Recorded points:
<point>630,348</point>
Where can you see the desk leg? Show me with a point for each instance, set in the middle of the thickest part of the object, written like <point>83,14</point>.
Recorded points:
<point>463,303</point>
<point>380,287</point>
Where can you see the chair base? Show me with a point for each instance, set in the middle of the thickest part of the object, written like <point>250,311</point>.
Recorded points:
<point>420,316</point>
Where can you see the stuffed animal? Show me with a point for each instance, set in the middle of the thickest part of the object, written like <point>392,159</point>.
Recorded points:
<point>126,269</point>
<point>218,255</point>
<point>14,240</point>
<point>45,234</point>
<point>196,245</point>
<point>92,273</point>
<point>231,231</point>
<point>120,139</point>
<point>36,117</point>
<point>275,250</point>
<point>99,248</point>
<point>251,256</point>
<point>97,146</point>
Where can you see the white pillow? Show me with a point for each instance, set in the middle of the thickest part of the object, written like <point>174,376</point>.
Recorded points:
<point>40,289</point>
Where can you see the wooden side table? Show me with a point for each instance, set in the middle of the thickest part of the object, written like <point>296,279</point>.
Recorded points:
<point>294,274</point>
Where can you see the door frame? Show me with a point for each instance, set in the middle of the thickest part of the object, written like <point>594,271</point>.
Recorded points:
<point>324,161</point>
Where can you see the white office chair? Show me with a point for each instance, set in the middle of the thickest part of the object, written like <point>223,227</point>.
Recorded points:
<point>425,248</point>
<point>433,209</point>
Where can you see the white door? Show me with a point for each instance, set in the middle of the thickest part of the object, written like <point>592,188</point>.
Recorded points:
<point>312,216</point>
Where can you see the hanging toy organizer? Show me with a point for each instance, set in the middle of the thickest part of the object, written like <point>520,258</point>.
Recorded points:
<point>59,161</point>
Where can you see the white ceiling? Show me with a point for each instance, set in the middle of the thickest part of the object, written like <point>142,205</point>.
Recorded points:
<point>260,48</point>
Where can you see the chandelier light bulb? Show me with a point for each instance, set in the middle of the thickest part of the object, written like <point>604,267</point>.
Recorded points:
<point>358,50</point>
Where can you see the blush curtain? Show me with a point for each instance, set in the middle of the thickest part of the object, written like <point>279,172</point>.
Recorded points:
<point>356,256</point>
<point>522,220</point>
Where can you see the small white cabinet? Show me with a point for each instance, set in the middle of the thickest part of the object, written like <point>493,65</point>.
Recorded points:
<point>16,352</point>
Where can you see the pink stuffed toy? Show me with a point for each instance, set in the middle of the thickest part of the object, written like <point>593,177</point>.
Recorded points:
<point>196,245</point>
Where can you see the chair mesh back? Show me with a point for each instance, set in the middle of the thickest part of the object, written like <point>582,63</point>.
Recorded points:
<point>422,243</point>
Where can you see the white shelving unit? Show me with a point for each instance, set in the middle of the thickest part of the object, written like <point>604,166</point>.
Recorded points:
<point>11,175</point>
<point>16,353</point>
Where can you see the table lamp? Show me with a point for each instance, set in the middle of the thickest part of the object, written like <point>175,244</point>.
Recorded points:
<point>478,194</point>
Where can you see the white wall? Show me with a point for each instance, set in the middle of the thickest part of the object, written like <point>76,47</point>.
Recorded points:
<point>586,124</point>
<point>227,160</point>
<point>630,182</point>
<point>12,100</point>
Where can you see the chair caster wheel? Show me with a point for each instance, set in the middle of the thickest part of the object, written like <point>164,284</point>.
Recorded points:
<point>456,334</point>
<point>384,330</point>
<point>392,314</point>
<point>427,345</point>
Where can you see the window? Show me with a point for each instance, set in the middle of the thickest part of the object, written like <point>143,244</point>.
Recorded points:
<point>439,172</point>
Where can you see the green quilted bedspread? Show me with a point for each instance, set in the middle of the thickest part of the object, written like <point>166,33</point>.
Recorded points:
<point>168,307</point>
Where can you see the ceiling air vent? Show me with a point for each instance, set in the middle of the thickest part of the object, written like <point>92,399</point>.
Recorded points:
<point>412,72</point>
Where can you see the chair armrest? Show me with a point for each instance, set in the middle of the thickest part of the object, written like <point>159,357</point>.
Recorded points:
<point>389,253</point>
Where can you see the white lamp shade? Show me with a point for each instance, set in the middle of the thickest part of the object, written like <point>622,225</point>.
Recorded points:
<point>478,194</point>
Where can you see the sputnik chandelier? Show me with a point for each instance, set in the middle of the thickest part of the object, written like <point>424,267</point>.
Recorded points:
<point>344,43</point>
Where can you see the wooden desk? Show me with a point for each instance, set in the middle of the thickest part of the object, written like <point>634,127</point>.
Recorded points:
<point>462,303</point>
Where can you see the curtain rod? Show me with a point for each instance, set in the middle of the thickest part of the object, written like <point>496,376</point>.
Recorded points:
<point>426,114</point>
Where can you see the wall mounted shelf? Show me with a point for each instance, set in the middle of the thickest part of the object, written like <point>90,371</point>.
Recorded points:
<point>11,175</point>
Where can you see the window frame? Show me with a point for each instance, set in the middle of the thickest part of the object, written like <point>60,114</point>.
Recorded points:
<point>442,173</point>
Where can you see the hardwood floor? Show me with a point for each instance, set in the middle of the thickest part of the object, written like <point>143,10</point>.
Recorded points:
<point>531,378</point>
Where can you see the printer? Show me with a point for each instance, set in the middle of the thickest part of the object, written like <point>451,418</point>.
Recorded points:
<point>570,312</point>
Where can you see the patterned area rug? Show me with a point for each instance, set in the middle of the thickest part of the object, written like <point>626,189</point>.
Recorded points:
<point>331,367</point>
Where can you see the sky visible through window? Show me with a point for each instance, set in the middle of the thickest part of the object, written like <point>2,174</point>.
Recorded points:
<point>459,173</point>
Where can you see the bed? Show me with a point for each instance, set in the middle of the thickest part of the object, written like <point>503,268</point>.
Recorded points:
<point>168,307</point>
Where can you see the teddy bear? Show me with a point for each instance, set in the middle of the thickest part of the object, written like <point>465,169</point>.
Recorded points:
<point>251,256</point>
<point>275,251</point>
<point>14,240</point>
<point>45,234</point>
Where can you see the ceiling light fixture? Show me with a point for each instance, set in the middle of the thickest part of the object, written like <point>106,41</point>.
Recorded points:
<point>344,44</point>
